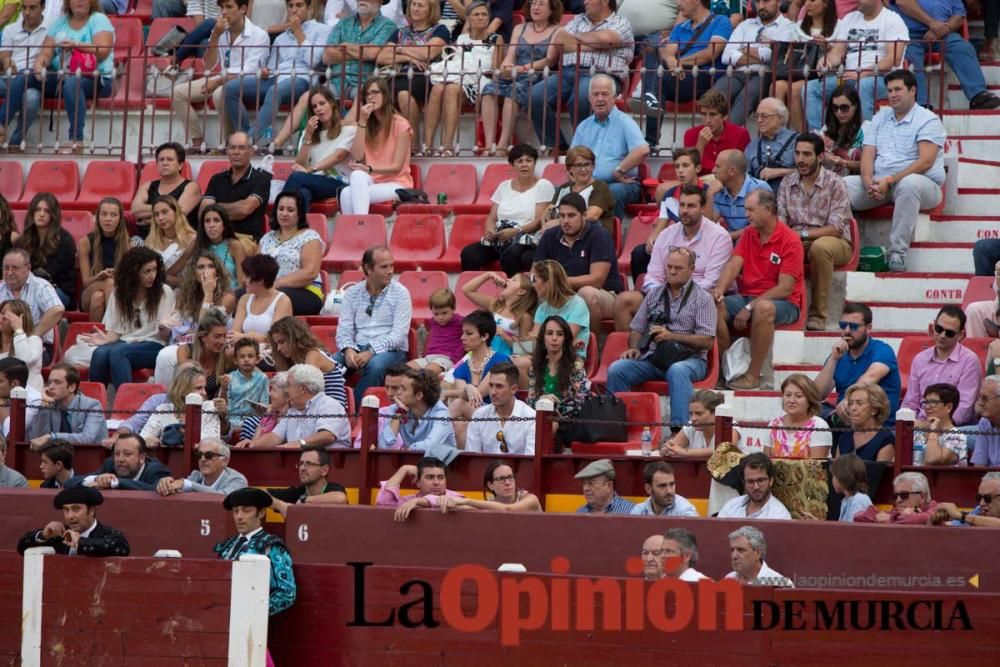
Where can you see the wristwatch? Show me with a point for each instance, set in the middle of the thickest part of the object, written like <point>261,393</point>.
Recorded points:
<point>748,307</point>
<point>961,519</point>
<point>302,443</point>
<point>804,234</point>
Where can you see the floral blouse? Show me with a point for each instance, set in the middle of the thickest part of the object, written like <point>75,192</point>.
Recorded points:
<point>789,444</point>
<point>570,402</point>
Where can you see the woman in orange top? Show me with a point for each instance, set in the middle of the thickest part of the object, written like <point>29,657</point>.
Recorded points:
<point>381,152</point>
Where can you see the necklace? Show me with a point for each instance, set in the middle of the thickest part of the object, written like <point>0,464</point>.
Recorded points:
<point>285,240</point>
<point>486,360</point>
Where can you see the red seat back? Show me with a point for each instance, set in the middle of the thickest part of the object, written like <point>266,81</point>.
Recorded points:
<point>317,222</point>
<point>458,181</point>
<point>353,276</point>
<point>352,235</point>
<point>209,169</point>
<point>59,177</point>
<point>380,393</point>
<point>555,173</point>
<point>980,288</point>
<point>78,223</point>
<point>641,406</point>
<point>95,390</point>
<point>131,395</point>
<point>614,345</point>
<point>910,347</point>
<point>11,180</point>
<point>107,179</point>
<point>421,285</point>
<point>416,238</point>
<point>463,305</point>
<point>327,336</point>
<point>465,230</point>
<point>128,37</point>
<point>493,176</point>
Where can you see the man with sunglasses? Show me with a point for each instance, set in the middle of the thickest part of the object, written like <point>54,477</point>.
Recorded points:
<point>986,513</point>
<point>858,358</point>
<point>987,447</point>
<point>212,476</point>
<point>912,502</point>
<point>946,361</point>
<point>314,466</point>
<point>492,431</point>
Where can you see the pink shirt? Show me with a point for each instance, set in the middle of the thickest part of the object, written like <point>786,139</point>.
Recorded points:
<point>712,245</point>
<point>390,497</point>
<point>961,369</point>
<point>445,340</point>
<point>385,155</point>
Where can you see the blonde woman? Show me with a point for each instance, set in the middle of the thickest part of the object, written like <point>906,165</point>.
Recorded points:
<point>556,297</point>
<point>867,409</point>
<point>172,237</point>
<point>513,310</point>
<point>160,428</point>
<point>15,320</point>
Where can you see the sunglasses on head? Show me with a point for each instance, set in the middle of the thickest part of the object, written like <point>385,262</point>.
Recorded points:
<point>842,108</point>
<point>938,329</point>
<point>853,326</point>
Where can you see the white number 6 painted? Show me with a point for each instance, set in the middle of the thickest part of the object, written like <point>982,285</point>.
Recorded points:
<point>304,533</point>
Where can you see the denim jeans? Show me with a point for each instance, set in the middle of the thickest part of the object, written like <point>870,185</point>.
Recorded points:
<point>985,255</point>
<point>194,45</point>
<point>168,9</point>
<point>548,97</point>
<point>25,115</point>
<point>115,361</point>
<point>627,373</point>
<point>373,373</point>
<point>287,91</point>
<point>74,90</point>
<point>817,92</point>
<point>314,186</point>
<point>624,193</point>
<point>961,58</point>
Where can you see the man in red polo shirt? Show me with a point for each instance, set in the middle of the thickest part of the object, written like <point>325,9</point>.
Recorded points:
<point>768,261</point>
<point>716,133</point>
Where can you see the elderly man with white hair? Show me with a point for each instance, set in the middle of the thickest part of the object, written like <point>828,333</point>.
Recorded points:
<point>212,476</point>
<point>771,156</point>
<point>679,551</point>
<point>985,514</point>
<point>313,419</point>
<point>912,502</point>
<point>747,549</point>
<point>987,448</point>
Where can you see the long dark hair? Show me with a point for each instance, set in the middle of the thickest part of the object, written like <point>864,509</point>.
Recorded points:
<point>202,244</point>
<point>129,290</point>
<point>829,19</point>
<point>41,245</point>
<point>121,236</point>
<point>300,206</point>
<point>7,224</point>
<point>333,131</point>
<point>488,478</point>
<point>843,135</point>
<point>540,360</point>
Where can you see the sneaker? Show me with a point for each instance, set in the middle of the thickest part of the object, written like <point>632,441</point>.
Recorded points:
<point>652,104</point>
<point>897,263</point>
<point>984,100</point>
<point>745,382</point>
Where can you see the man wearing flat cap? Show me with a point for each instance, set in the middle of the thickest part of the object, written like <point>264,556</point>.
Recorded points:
<point>249,506</point>
<point>80,533</point>
<point>599,489</point>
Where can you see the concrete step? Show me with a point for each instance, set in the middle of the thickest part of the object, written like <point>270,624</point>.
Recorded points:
<point>940,257</point>
<point>971,201</point>
<point>964,121</point>
<point>816,346</point>
<point>936,288</point>
<point>976,146</point>
<point>782,372</point>
<point>960,229</point>
<point>981,174</point>
<point>905,317</point>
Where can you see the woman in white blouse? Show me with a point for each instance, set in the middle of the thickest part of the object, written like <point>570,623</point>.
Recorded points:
<point>172,237</point>
<point>133,336</point>
<point>15,320</point>
<point>320,169</point>
<point>510,232</point>
<point>299,251</point>
<point>189,379</point>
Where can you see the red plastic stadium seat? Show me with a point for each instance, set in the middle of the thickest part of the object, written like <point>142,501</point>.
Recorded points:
<point>61,178</point>
<point>386,208</point>
<point>143,11</point>
<point>327,336</point>
<point>638,232</point>
<point>421,285</point>
<point>416,238</point>
<point>463,305</point>
<point>317,222</point>
<point>352,235</point>
<point>617,342</point>
<point>96,390</point>
<point>78,223</point>
<point>640,406</point>
<point>282,170</point>
<point>106,179</point>
<point>799,324</point>
<point>150,173</point>
<point>465,230</point>
<point>458,181</point>
<point>352,276</point>
<point>590,363</point>
<point>129,89</point>
<point>208,169</point>
<point>380,393</point>
<point>555,173</point>
<point>76,328</point>
<point>980,288</point>
<point>911,346</point>
<point>131,395</point>
<point>11,180</point>
<point>493,176</point>
<point>324,279</point>
<point>617,236</point>
<point>128,37</point>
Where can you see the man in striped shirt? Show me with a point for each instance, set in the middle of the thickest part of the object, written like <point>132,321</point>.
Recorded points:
<point>599,489</point>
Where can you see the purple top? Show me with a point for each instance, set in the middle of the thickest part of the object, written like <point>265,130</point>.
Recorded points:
<point>987,451</point>
<point>446,340</point>
<point>712,245</point>
<point>961,369</point>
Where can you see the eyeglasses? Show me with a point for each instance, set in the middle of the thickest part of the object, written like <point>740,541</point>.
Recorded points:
<point>841,108</point>
<point>756,482</point>
<point>503,444</point>
<point>984,398</point>
<point>503,478</point>
<point>582,165</point>
<point>372,93</point>
<point>985,498</point>
<point>208,456</point>
<point>930,401</point>
<point>853,326</point>
<point>308,464</point>
<point>765,116</point>
<point>903,494</point>
<point>938,329</point>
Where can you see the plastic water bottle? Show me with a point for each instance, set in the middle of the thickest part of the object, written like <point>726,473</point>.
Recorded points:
<point>918,450</point>
<point>647,441</point>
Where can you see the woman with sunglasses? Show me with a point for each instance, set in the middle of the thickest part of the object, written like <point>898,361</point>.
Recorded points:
<point>842,132</point>
<point>867,409</point>
<point>580,162</point>
<point>500,491</point>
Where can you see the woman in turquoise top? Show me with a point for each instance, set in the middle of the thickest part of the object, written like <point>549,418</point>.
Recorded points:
<point>556,297</point>
<point>82,42</point>
<point>216,235</point>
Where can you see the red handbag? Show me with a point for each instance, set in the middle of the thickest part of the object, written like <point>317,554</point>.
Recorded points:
<point>83,62</point>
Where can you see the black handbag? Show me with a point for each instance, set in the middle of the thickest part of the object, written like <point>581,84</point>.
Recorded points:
<point>801,54</point>
<point>606,420</point>
<point>412,196</point>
